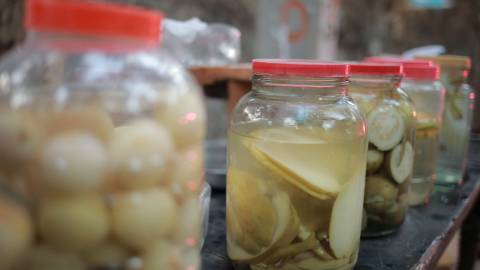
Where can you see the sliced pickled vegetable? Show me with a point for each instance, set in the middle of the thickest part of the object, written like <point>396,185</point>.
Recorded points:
<point>380,194</point>
<point>294,249</point>
<point>16,232</point>
<point>386,127</point>
<point>400,162</point>
<point>426,127</point>
<point>236,234</point>
<point>285,232</point>
<point>296,164</point>
<point>320,251</point>
<point>374,160</point>
<point>346,220</point>
<point>315,264</point>
<point>260,221</point>
<point>74,223</point>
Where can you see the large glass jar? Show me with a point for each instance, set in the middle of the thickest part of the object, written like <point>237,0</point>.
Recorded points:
<point>391,131</point>
<point>296,169</point>
<point>101,144</point>
<point>423,86</point>
<point>455,133</point>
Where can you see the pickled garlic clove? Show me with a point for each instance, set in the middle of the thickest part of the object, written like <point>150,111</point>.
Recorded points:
<point>73,223</point>
<point>73,163</point>
<point>107,254</point>
<point>185,117</point>
<point>142,217</point>
<point>374,160</point>
<point>139,155</point>
<point>87,120</point>
<point>16,232</point>
<point>21,137</point>
<point>45,258</point>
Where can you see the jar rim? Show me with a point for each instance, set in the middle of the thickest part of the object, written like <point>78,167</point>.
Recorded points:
<point>398,60</point>
<point>300,67</point>
<point>93,18</point>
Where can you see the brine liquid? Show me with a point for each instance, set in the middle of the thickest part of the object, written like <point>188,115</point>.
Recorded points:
<point>302,172</point>
<point>454,139</point>
<point>426,149</point>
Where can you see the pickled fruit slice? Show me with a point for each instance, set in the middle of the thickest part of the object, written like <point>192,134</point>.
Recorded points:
<point>295,163</point>
<point>294,249</point>
<point>386,127</point>
<point>346,220</point>
<point>285,232</point>
<point>260,221</point>
<point>380,194</point>
<point>400,162</point>
<point>374,160</point>
<point>315,263</point>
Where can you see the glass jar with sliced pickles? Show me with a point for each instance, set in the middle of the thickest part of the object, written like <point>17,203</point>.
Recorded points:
<point>296,169</point>
<point>391,129</point>
<point>421,82</point>
<point>455,133</point>
<point>100,144</point>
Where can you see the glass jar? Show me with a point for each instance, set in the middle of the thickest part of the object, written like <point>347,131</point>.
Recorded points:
<point>391,131</point>
<point>455,133</point>
<point>423,86</point>
<point>296,169</point>
<point>101,141</point>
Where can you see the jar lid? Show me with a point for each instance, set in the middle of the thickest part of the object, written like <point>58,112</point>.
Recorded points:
<point>299,67</point>
<point>93,18</point>
<point>456,61</point>
<point>398,60</point>
<point>422,72</point>
<point>376,69</point>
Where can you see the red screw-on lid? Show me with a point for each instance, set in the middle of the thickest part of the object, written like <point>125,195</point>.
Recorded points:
<point>297,67</point>
<point>422,72</point>
<point>376,69</point>
<point>398,60</point>
<point>93,18</point>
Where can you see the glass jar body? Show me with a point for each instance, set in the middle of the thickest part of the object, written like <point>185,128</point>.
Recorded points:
<point>296,165</point>
<point>455,133</point>
<point>101,156</point>
<point>429,99</point>
<point>391,129</point>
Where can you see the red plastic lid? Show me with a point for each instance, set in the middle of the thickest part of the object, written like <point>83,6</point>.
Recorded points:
<point>297,67</point>
<point>422,72</point>
<point>93,18</point>
<point>398,60</point>
<point>376,69</point>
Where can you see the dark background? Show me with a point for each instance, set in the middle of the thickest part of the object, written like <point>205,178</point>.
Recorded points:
<point>367,27</point>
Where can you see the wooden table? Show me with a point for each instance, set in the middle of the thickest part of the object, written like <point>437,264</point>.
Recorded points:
<point>417,245</point>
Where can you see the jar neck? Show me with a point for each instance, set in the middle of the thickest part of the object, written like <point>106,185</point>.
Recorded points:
<point>456,76</point>
<point>295,86</point>
<point>375,83</point>
<point>73,43</point>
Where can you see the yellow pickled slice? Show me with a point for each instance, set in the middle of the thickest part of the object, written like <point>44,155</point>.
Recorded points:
<point>314,263</point>
<point>285,232</point>
<point>296,161</point>
<point>255,211</point>
<point>346,220</point>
